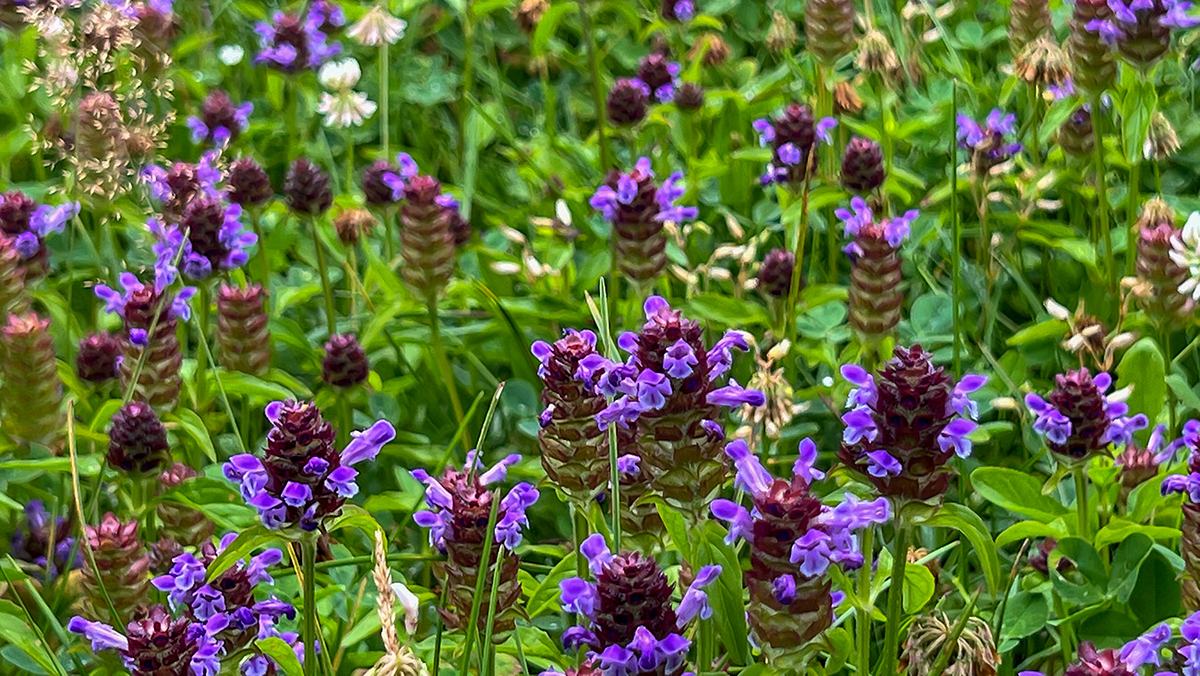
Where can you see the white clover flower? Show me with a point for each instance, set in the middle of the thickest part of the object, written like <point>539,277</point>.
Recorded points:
<point>340,75</point>
<point>376,27</point>
<point>231,55</point>
<point>345,108</point>
<point>1185,251</point>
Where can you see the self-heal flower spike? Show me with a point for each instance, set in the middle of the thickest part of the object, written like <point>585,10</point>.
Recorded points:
<point>793,539</point>
<point>291,43</point>
<point>630,626</point>
<point>862,165</point>
<point>906,423</point>
<point>660,75</point>
<point>829,29</point>
<point>678,10</point>
<point>122,565</point>
<point>156,643</point>
<point>876,296</point>
<point>220,120</point>
<point>14,299</point>
<point>1092,60</point>
<point>426,234</point>
<point>138,304</point>
<point>1078,420</point>
<point>1189,486</point>
<point>228,605</point>
<point>182,523</point>
<point>638,207</point>
<point>243,329</point>
<point>247,184</point>
<point>98,357</point>
<point>1140,30</point>
<point>792,136</point>
<point>302,479</point>
<point>669,394</point>
<point>306,188</point>
<point>45,542</point>
<point>990,142</point>
<point>627,101</point>
<point>775,275</point>
<point>345,362</point>
<point>460,504</point>
<point>28,224</point>
<point>216,240</point>
<point>32,394</point>
<point>1076,135</point>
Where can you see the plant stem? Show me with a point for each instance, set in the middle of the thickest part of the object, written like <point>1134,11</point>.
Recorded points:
<point>326,287</point>
<point>308,557</point>
<point>385,130</point>
<point>202,358</point>
<point>439,356</point>
<point>1135,179</point>
<point>891,641</point>
<point>1079,471</point>
<point>1102,190</point>
<point>862,622</point>
<point>956,235</point>
<point>263,260</point>
<point>793,298</point>
<point>488,645</point>
<point>585,15</point>
<point>477,600</point>
<point>468,74</point>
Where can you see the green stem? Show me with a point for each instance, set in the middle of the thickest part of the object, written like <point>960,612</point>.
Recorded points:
<point>326,287</point>
<point>891,641</point>
<point>1079,472</point>
<point>862,623</point>
<point>443,364</point>
<point>385,129</point>
<point>468,73</point>
<point>308,555</point>
<point>597,89</point>
<point>1135,179</point>
<point>202,364</point>
<point>793,298</point>
<point>472,627</point>
<point>389,248</point>
<point>263,260</point>
<point>956,235</point>
<point>488,645</point>
<point>1102,190</point>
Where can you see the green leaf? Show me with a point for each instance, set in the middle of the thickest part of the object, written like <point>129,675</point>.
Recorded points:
<point>918,587</point>
<point>14,629</point>
<point>1183,392</point>
<point>1144,368</point>
<point>727,311</point>
<point>283,655</point>
<point>548,25</point>
<point>545,597</point>
<point>1127,564</point>
<point>192,425</point>
<point>677,528</point>
<point>1031,530</point>
<point>247,542</point>
<point>1044,331</point>
<point>353,516</point>
<point>726,596</point>
<point>1118,530</point>
<point>967,522</point>
<point>1017,492</point>
<point>1025,615</point>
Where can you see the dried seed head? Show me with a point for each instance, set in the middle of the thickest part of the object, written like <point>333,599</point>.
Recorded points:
<point>973,654</point>
<point>781,36</point>
<point>1161,142</point>
<point>713,47</point>
<point>529,14</point>
<point>1043,63</point>
<point>876,55</point>
<point>353,224</point>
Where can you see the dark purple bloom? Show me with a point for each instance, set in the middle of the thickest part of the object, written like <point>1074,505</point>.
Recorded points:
<point>445,508</point>
<point>990,143</point>
<point>1078,420</point>
<point>623,197</point>
<point>290,43</point>
<point>220,120</point>
<point>302,480</point>
<point>792,136</point>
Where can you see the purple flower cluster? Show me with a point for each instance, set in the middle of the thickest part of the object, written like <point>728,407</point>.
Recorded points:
<point>646,653</point>
<point>221,122</point>
<point>1147,649</point>
<point>29,223</point>
<point>647,382</point>
<point>859,222</point>
<point>440,518</point>
<point>198,218</point>
<point>302,480</point>
<point>1187,484</point>
<point>1077,418</point>
<point>792,136</point>
<point>1136,14</point>
<point>188,647</point>
<point>45,542</point>
<point>132,288</point>
<point>829,535</point>
<point>634,197</point>
<point>659,76</point>
<point>678,10</point>
<point>227,605</point>
<point>862,424</point>
<point>291,43</point>
<point>989,142</point>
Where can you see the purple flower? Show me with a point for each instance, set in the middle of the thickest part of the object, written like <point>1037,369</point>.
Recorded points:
<point>751,476</point>
<point>615,199</point>
<point>1146,649</point>
<point>740,524</point>
<point>784,589</point>
<point>989,142</point>
<point>695,601</point>
<point>578,596</point>
<point>883,464</point>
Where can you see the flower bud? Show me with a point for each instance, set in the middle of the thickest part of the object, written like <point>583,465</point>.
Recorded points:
<point>689,96</point>
<point>862,165</point>
<point>248,184</point>
<point>775,275</point>
<point>137,440</point>
<point>1075,135</point>
<point>97,359</point>
<point>627,102</point>
<point>781,36</point>
<point>345,363</point>
<point>1155,267</point>
<point>306,188</point>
